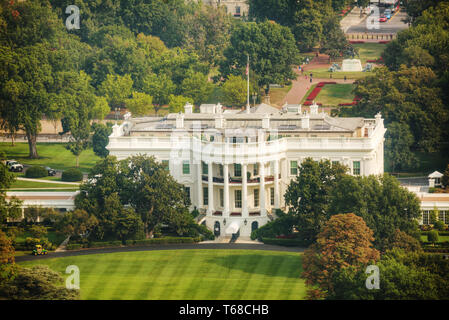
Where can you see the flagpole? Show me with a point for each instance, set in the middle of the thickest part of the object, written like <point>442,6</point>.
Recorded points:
<point>248,106</point>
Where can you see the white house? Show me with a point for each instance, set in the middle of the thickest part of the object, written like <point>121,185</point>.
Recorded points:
<point>236,165</point>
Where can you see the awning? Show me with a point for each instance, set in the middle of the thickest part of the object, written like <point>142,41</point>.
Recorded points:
<point>234,227</point>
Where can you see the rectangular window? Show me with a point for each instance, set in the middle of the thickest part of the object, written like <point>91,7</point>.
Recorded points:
<point>185,167</point>
<point>205,196</point>
<point>272,196</point>
<point>237,170</point>
<point>220,168</point>
<point>256,198</point>
<point>446,217</point>
<point>237,10</point>
<point>187,190</point>
<point>441,215</point>
<point>238,198</point>
<point>256,169</point>
<point>334,163</point>
<point>356,168</point>
<point>166,165</point>
<point>293,168</point>
<point>205,167</point>
<point>221,198</point>
<point>425,217</point>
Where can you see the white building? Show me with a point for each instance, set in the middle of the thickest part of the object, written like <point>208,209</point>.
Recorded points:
<point>236,165</point>
<point>234,7</point>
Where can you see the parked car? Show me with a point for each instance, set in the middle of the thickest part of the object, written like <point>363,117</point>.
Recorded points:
<point>387,13</point>
<point>51,172</point>
<point>382,19</point>
<point>14,166</point>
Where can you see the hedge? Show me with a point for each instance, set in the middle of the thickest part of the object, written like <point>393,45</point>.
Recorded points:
<point>36,172</point>
<point>284,242</point>
<point>72,175</point>
<point>116,243</point>
<point>74,246</point>
<point>165,240</point>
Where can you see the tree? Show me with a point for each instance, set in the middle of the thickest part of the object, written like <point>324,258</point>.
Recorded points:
<point>100,139</point>
<point>432,236</point>
<point>309,196</point>
<point>398,141</point>
<point>36,283</point>
<point>197,86</point>
<point>159,87</point>
<point>6,257</point>
<point>445,178</point>
<point>235,91</point>
<point>345,241</point>
<point>76,223</point>
<point>271,48</point>
<point>140,103</point>
<point>176,103</point>
<point>117,89</point>
<point>383,204</point>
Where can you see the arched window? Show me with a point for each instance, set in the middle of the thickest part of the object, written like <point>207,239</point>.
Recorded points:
<point>254,226</point>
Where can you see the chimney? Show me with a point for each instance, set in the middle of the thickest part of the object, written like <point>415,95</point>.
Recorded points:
<point>219,121</point>
<point>378,118</point>
<point>266,121</point>
<point>188,108</point>
<point>314,108</point>
<point>305,122</point>
<point>180,121</point>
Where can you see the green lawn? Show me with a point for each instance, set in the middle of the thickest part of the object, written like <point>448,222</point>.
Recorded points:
<point>333,94</point>
<point>34,184</point>
<point>323,73</point>
<point>278,94</point>
<point>369,51</point>
<point>440,238</point>
<point>54,155</point>
<point>187,275</point>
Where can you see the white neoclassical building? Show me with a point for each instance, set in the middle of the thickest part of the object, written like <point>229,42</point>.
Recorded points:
<point>236,164</point>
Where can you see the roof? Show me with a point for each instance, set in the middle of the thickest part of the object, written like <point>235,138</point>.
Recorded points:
<point>435,174</point>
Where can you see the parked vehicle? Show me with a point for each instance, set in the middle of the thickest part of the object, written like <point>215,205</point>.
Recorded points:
<point>51,172</point>
<point>39,250</point>
<point>382,19</point>
<point>14,166</point>
<point>387,13</point>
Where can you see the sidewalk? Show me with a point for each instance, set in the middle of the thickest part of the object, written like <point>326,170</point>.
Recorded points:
<point>352,19</point>
<point>49,181</point>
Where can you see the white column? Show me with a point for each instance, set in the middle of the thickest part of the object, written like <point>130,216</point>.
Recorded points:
<point>199,184</point>
<point>262,189</point>
<point>244,191</point>
<point>226,190</point>
<point>210,188</point>
<point>276,184</point>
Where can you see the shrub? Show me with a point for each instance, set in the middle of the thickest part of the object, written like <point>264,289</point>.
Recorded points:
<point>72,175</point>
<point>280,226</point>
<point>285,242</point>
<point>432,236</point>
<point>38,231</point>
<point>74,246</point>
<point>36,172</point>
<point>439,225</point>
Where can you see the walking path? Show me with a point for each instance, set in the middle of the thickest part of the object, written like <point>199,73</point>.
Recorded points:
<point>301,85</point>
<point>62,247</point>
<point>210,246</point>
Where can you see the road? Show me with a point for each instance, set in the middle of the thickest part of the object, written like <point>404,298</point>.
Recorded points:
<point>394,25</point>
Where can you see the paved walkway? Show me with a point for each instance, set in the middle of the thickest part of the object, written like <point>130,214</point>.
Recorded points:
<point>210,246</point>
<point>301,85</point>
<point>49,181</point>
<point>353,18</point>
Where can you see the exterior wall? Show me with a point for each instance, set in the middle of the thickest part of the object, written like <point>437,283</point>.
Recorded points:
<point>276,155</point>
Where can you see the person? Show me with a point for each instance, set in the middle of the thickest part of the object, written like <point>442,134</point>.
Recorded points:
<point>311,79</point>
<point>344,78</point>
<point>330,76</point>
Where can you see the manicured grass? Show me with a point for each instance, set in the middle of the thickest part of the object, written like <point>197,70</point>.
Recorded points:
<point>440,238</point>
<point>187,275</point>
<point>278,94</point>
<point>34,184</point>
<point>369,51</point>
<point>325,74</point>
<point>54,155</point>
<point>333,94</point>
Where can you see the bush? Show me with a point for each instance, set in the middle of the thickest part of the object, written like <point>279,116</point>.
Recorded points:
<point>72,175</point>
<point>281,226</point>
<point>285,242</point>
<point>74,246</point>
<point>36,172</point>
<point>439,225</point>
<point>165,240</point>
<point>432,236</point>
<point>38,231</point>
